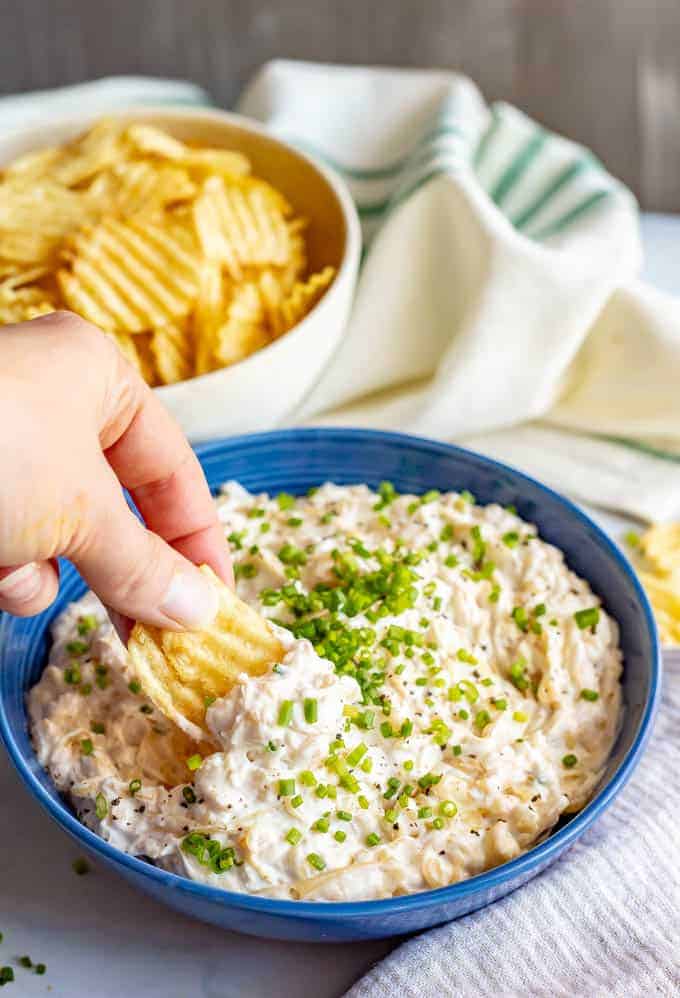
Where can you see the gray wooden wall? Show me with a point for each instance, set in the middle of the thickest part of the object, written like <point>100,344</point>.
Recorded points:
<point>605,72</point>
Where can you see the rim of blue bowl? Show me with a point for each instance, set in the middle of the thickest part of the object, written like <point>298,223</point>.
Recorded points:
<point>538,856</point>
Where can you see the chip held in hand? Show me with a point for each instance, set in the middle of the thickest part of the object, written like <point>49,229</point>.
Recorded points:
<point>182,672</point>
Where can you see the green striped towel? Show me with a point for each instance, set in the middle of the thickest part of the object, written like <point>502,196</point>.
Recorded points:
<point>497,304</point>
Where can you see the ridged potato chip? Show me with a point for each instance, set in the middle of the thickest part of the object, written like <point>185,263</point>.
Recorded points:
<point>172,351</point>
<point>244,331</point>
<point>128,276</point>
<point>240,226</point>
<point>175,250</point>
<point>182,672</point>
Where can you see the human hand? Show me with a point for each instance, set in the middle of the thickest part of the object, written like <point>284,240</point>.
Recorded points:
<point>77,423</point>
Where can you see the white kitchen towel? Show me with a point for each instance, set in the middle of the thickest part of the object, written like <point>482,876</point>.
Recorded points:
<point>603,922</point>
<point>497,304</point>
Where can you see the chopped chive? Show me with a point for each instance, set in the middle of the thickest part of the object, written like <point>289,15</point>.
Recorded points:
<point>424,812</point>
<point>569,761</point>
<point>500,703</point>
<point>340,836</point>
<point>457,749</point>
<point>591,695</point>
<point>285,713</point>
<point>86,746</point>
<point>343,815</point>
<point>482,718</point>
<point>372,840</point>
<point>307,778</point>
<point>363,802</point>
<point>356,755</point>
<point>321,825</point>
<point>294,836</point>
<point>448,809</point>
<point>296,801</point>
<point>316,861</point>
<point>520,717</point>
<point>134,786</point>
<point>286,787</point>
<point>77,647</point>
<point>135,686</point>
<point>311,710</point>
<point>88,622</point>
<point>511,539</point>
<point>429,780</point>
<point>587,618</point>
<point>438,823</point>
<point>194,761</point>
<point>6,975</point>
<point>25,961</point>
<point>101,807</point>
<point>520,616</point>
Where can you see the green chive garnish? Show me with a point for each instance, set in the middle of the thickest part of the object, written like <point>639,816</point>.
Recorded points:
<point>316,861</point>
<point>591,695</point>
<point>134,786</point>
<point>294,836</point>
<point>587,618</point>
<point>286,787</point>
<point>311,710</point>
<point>285,713</point>
<point>194,761</point>
<point>101,807</point>
<point>569,761</point>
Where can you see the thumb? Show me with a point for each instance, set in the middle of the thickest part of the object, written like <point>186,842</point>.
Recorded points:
<point>134,571</point>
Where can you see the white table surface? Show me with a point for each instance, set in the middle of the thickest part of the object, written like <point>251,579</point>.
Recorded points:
<point>99,937</point>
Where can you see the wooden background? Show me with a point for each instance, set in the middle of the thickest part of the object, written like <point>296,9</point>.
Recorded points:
<point>605,72</point>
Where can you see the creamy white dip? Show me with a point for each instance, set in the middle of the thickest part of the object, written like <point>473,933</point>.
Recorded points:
<point>474,699</point>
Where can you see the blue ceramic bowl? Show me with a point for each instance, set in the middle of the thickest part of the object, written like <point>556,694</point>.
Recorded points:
<point>294,460</point>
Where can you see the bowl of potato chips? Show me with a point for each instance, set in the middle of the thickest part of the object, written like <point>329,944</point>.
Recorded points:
<point>221,260</point>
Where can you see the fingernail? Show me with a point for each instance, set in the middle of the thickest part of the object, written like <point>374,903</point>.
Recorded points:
<point>191,601</point>
<point>22,585</point>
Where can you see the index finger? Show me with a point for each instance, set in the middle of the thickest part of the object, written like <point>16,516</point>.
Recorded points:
<point>153,460</point>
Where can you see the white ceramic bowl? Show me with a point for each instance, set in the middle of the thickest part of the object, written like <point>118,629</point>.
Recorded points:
<point>261,391</point>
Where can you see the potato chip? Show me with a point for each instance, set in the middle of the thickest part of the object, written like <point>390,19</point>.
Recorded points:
<point>128,276</point>
<point>183,671</point>
<point>244,332</point>
<point>139,188</point>
<point>20,300</point>
<point>240,227</point>
<point>303,297</point>
<point>172,351</point>
<point>208,316</point>
<point>153,141</point>
<point>661,546</point>
<point>102,146</point>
